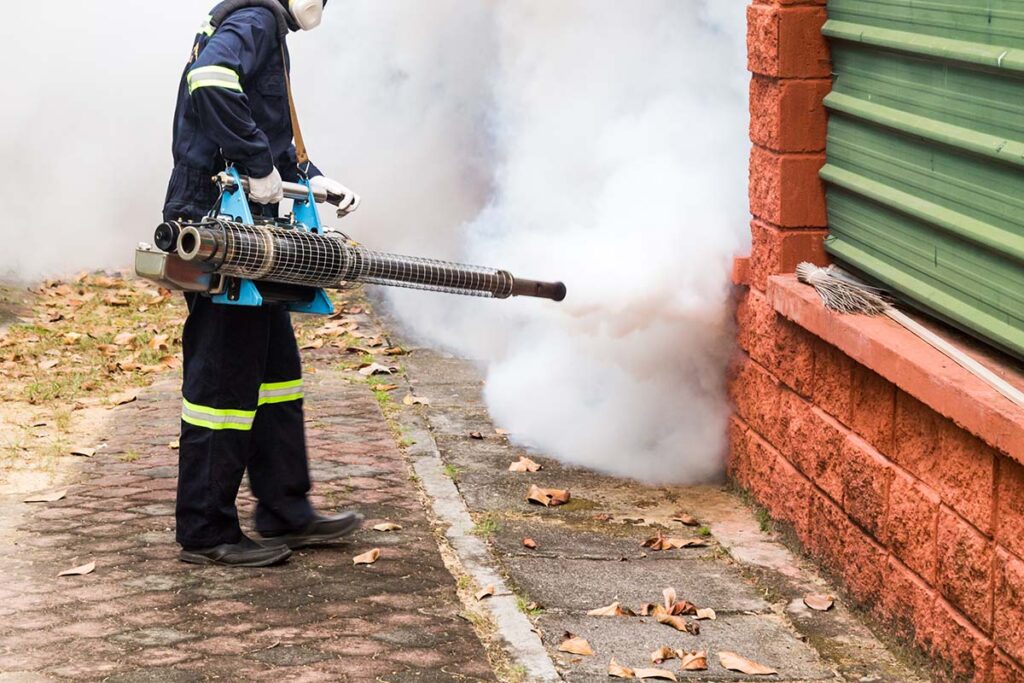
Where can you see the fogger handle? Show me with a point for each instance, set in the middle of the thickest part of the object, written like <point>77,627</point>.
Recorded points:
<point>541,290</point>
<point>291,190</point>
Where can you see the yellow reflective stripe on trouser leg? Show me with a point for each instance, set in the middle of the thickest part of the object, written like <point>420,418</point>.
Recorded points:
<point>216,418</point>
<point>213,77</point>
<point>280,392</point>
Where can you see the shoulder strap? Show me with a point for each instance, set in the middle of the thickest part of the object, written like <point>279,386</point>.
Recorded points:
<point>300,145</point>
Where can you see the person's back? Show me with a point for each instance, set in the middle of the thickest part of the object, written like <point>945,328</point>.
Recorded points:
<point>242,389</point>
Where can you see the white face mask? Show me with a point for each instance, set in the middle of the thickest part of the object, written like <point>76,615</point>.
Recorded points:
<point>307,13</point>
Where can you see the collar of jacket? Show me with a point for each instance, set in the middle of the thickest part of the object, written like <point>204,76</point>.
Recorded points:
<point>285,21</point>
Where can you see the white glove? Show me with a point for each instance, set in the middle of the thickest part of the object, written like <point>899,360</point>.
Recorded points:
<point>268,190</point>
<point>349,200</point>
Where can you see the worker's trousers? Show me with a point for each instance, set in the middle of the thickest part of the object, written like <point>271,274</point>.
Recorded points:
<point>242,409</point>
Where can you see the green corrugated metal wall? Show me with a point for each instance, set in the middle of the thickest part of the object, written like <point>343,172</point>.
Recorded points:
<point>925,167</point>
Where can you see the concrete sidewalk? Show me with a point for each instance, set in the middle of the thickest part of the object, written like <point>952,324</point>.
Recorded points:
<point>589,554</point>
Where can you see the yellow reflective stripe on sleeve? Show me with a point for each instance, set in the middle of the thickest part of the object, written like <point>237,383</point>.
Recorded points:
<point>217,418</point>
<point>207,28</point>
<point>213,76</point>
<point>280,392</point>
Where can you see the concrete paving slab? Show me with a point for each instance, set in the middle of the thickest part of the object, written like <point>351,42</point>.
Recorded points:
<point>583,585</point>
<point>766,639</point>
<point>586,539</point>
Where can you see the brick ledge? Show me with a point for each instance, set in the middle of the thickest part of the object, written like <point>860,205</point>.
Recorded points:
<point>911,364</point>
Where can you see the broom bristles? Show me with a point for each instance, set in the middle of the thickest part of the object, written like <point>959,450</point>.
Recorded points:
<point>841,293</point>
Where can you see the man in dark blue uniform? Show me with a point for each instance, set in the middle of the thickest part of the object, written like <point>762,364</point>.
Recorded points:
<point>242,389</point>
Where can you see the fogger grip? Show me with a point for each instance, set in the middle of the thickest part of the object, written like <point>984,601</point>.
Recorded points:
<point>291,190</point>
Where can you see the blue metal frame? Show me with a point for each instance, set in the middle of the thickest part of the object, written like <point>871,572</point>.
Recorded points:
<point>235,206</point>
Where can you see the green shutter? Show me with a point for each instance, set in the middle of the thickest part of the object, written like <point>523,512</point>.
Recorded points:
<point>925,169</point>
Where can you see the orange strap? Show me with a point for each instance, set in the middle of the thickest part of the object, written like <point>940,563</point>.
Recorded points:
<point>300,145</point>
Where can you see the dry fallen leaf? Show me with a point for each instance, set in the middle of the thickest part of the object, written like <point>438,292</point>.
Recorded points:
<point>693,661</point>
<point>706,613</point>
<point>123,398</point>
<point>661,542</point>
<point>174,445</point>
<point>613,610</point>
<point>83,451</point>
<point>501,432</point>
<point>79,571</point>
<point>313,345</point>
<point>160,342</point>
<point>734,662</point>
<point>377,369</point>
<point>678,623</point>
<point>547,497</point>
<point>683,607</point>
<point>124,339</point>
<point>524,464</point>
<point>411,400</point>
<point>48,497</point>
<point>662,654</point>
<point>576,646</point>
<point>48,364</point>
<point>669,594</point>
<point>661,674</point>
<point>476,435</point>
<point>601,517</point>
<point>821,603</point>
<point>486,592</point>
<point>368,557</point>
<point>616,670</point>
<point>530,543</point>
<point>387,526</point>
<point>686,519</point>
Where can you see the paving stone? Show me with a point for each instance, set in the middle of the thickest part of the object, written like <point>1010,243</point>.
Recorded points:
<point>583,585</point>
<point>144,616</point>
<point>165,472</point>
<point>564,538</point>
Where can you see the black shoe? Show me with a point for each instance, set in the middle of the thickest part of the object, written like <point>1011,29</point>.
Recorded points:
<point>321,530</point>
<point>245,553</point>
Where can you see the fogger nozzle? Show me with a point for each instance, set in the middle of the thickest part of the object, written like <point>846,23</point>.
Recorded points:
<point>195,244</point>
<point>296,257</point>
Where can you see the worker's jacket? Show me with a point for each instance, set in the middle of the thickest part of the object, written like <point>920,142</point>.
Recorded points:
<point>232,108</point>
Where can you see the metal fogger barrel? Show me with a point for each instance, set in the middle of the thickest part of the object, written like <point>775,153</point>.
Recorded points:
<point>296,257</point>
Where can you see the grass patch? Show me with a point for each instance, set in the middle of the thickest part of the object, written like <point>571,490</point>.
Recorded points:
<point>764,520</point>
<point>527,606</point>
<point>452,472</point>
<point>704,531</point>
<point>90,337</point>
<point>486,526</point>
<point>129,456</point>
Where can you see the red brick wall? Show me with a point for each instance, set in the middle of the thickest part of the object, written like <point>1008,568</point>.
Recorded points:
<point>921,521</point>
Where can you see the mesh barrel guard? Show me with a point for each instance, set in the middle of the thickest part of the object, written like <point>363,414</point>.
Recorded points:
<point>298,257</point>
